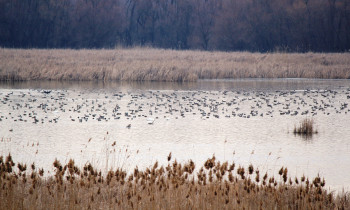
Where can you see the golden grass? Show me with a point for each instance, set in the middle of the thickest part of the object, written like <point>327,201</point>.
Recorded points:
<point>306,128</point>
<point>148,64</point>
<point>177,186</point>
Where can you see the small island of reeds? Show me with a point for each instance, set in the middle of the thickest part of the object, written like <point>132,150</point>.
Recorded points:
<point>305,128</point>
<point>214,185</point>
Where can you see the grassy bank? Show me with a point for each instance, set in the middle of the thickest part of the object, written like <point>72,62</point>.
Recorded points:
<point>176,186</point>
<point>143,64</point>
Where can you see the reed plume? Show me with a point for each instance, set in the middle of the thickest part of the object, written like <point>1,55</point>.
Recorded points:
<point>176,186</point>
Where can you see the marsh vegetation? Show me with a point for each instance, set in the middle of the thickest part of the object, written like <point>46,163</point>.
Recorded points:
<point>306,128</point>
<point>148,64</point>
<point>173,186</point>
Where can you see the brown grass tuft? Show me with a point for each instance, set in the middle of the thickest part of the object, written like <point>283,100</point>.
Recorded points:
<point>306,128</point>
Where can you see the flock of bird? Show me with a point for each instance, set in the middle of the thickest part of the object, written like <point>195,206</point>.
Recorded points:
<point>54,106</point>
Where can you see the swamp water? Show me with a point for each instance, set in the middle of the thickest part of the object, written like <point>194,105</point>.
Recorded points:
<point>134,124</point>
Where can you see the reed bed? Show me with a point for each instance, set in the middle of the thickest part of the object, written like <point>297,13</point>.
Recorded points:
<point>175,186</point>
<point>306,128</point>
<point>148,64</point>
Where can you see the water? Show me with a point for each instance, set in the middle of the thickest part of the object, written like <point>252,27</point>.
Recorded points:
<point>246,121</point>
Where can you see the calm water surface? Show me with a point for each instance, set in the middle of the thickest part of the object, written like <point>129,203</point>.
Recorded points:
<point>127,124</point>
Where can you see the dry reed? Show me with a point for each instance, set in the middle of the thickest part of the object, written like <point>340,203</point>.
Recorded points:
<point>147,64</point>
<point>306,128</point>
<point>176,186</point>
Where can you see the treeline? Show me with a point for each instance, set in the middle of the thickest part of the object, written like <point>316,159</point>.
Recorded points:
<point>253,25</point>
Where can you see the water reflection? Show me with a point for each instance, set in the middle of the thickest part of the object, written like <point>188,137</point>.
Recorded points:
<point>229,84</point>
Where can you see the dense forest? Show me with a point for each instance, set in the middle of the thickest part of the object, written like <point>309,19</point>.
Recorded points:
<point>252,25</point>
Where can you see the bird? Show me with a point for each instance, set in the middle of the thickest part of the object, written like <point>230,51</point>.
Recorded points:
<point>128,126</point>
<point>150,121</point>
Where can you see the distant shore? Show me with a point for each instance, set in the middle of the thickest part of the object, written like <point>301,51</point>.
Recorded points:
<point>149,64</point>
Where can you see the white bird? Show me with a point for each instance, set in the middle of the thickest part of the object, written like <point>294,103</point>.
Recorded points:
<point>150,120</point>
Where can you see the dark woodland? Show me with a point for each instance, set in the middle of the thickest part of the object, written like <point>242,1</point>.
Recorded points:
<point>228,25</point>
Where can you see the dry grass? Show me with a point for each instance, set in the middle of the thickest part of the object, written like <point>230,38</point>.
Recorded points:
<point>147,64</point>
<point>177,186</point>
<point>306,128</point>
